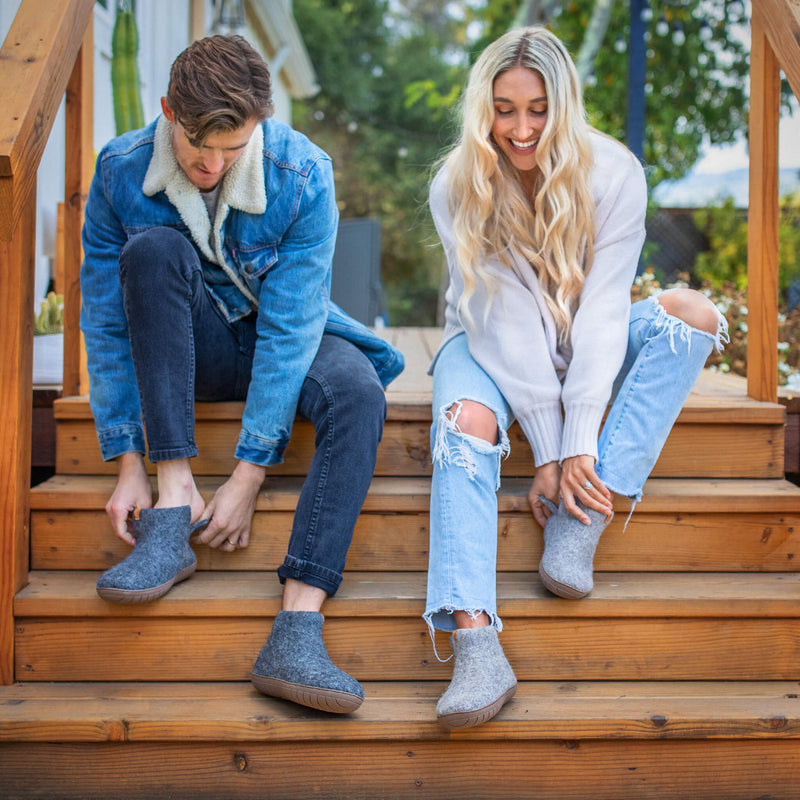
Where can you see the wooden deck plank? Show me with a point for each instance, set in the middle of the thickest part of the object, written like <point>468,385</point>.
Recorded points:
<point>510,770</point>
<point>667,541</point>
<point>68,593</point>
<point>133,712</point>
<point>280,494</point>
<point>399,648</point>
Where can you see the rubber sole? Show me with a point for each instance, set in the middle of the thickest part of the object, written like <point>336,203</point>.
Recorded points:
<point>333,700</point>
<point>143,595</point>
<point>561,589</point>
<point>477,716</point>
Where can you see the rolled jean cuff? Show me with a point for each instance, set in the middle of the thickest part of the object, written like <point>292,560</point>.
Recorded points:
<point>311,574</point>
<point>172,453</point>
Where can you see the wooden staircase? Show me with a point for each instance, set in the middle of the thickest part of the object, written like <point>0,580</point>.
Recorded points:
<point>679,677</point>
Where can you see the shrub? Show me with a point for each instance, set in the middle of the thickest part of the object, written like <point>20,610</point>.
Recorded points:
<point>732,304</point>
<point>726,230</point>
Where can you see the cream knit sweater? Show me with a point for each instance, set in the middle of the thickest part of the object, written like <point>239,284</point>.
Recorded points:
<point>558,394</point>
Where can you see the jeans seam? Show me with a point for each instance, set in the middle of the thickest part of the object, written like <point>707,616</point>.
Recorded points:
<point>313,520</point>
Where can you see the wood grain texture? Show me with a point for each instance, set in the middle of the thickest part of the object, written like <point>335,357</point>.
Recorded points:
<point>633,627</point>
<point>540,710</point>
<point>35,65</point>
<point>17,260</point>
<point>72,492</point>
<point>692,450</point>
<point>401,770</point>
<point>79,110</point>
<point>392,595</point>
<point>763,212</point>
<point>396,541</point>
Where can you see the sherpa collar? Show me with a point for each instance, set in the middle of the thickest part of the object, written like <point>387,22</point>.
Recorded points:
<point>243,188</point>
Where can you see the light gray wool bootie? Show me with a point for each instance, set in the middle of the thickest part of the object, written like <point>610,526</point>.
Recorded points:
<point>161,557</point>
<point>482,683</point>
<point>567,565</point>
<point>295,665</point>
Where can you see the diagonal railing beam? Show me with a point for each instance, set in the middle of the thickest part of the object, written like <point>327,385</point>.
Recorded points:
<point>35,65</point>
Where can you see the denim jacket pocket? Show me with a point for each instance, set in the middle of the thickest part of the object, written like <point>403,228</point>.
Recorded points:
<point>253,262</point>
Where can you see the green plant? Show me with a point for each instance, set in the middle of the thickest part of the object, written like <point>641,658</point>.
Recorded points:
<point>731,302</point>
<point>725,227</point>
<point>128,113</point>
<point>50,318</point>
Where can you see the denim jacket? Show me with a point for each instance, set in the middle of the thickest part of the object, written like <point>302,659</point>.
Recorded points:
<point>273,237</point>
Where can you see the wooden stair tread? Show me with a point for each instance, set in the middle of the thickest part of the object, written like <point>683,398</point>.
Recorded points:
<point>407,494</point>
<point>415,406</point>
<point>235,711</point>
<point>245,595</point>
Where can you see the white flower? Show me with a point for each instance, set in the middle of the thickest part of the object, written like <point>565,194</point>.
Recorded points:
<point>793,382</point>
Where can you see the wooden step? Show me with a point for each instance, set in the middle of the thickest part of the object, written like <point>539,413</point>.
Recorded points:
<point>662,626</point>
<point>554,740</point>
<point>680,525</point>
<point>159,711</point>
<point>699,445</point>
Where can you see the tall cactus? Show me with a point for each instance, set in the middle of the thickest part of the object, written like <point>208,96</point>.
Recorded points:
<point>128,114</point>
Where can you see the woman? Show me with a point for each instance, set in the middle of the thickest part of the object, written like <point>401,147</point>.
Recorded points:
<point>542,222</point>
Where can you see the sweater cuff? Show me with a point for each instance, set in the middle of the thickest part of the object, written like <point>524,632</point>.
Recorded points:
<point>581,429</point>
<point>543,428</point>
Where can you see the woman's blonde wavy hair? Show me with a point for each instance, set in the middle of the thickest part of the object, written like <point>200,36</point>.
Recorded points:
<point>553,231</point>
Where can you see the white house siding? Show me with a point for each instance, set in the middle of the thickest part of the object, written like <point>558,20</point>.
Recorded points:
<point>164,31</point>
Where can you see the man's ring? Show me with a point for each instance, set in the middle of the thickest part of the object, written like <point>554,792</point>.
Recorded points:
<point>230,541</point>
<point>588,485</point>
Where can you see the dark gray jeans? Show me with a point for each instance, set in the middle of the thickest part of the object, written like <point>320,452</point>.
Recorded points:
<point>184,350</point>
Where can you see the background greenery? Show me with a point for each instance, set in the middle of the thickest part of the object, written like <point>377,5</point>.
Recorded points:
<point>391,74</point>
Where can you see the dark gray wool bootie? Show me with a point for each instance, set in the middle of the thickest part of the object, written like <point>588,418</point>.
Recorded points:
<point>567,565</point>
<point>161,558</point>
<point>295,665</point>
<point>483,681</point>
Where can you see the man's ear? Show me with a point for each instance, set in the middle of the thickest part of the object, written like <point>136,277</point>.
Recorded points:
<point>168,112</point>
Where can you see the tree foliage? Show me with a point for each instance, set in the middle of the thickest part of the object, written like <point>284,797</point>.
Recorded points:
<point>725,227</point>
<point>391,74</point>
<point>383,140</point>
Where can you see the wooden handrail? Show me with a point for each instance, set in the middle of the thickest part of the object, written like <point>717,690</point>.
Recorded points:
<point>36,61</point>
<point>48,47</point>
<point>775,37</point>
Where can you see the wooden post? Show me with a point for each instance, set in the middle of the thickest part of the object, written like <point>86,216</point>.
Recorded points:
<point>17,259</point>
<point>762,219</point>
<point>77,177</point>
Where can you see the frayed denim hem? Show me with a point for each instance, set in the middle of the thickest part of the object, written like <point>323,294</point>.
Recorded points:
<point>443,619</point>
<point>685,331</point>
<point>463,453</point>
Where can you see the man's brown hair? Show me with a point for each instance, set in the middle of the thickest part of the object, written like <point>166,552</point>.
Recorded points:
<point>218,84</point>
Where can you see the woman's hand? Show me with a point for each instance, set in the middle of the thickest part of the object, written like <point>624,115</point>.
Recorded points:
<point>545,483</point>
<point>579,480</point>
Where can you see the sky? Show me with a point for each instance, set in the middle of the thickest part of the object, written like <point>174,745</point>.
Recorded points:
<point>730,157</point>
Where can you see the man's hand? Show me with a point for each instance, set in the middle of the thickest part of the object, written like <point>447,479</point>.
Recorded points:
<point>231,509</point>
<point>578,479</point>
<point>133,490</point>
<point>545,483</point>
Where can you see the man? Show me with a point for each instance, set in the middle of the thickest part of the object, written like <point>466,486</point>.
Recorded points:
<point>208,241</point>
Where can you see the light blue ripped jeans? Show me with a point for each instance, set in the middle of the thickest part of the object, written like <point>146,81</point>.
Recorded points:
<point>664,359</point>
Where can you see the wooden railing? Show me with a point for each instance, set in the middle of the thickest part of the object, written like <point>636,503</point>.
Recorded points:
<point>47,53</point>
<point>775,33</point>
